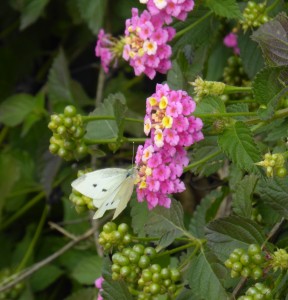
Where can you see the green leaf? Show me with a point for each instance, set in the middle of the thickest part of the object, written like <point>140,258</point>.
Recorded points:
<point>272,37</point>
<point>210,105</point>
<point>226,234</point>
<point>31,12</point>
<point>205,276</point>
<point>84,294</point>
<point>186,294</point>
<point>199,220</point>
<point>92,11</point>
<point>15,109</point>
<point>112,289</point>
<point>107,129</point>
<point>250,55</point>
<point>166,223</point>
<point>59,80</point>
<point>88,269</point>
<point>238,144</point>
<point>274,193</point>
<point>242,198</point>
<point>225,8</point>
<point>139,215</point>
<point>45,277</point>
<point>120,110</point>
<point>269,86</point>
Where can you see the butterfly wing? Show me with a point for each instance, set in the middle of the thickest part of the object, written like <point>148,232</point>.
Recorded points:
<point>100,184</point>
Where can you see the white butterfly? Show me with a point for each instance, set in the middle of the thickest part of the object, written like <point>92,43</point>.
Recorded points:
<point>109,188</point>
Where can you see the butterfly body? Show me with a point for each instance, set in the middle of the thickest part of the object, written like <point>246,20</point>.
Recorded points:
<point>109,188</point>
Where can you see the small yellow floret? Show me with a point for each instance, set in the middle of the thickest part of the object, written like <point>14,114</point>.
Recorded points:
<point>167,121</point>
<point>153,101</point>
<point>163,102</point>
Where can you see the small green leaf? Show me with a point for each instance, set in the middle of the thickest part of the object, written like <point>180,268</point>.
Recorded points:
<point>31,12</point>
<point>45,277</point>
<point>205,276</point>
<point>139,215</point>
<point>272,37</point>
<point>210,105</point>
<point>15,109</point>
<point>112,289</point>
<point>59,80</point>
<point>226,234</point>
<point>242,198</point>
<point>92,11</point>
<point>186,294</point>
<point>238,144</point>
<point>84,294</point>
<point>269,86</point>
<point>274,192</point>
<point>166,223</point>
<point>88,269</point>
<point>250,54</point>
<point>225,8</point>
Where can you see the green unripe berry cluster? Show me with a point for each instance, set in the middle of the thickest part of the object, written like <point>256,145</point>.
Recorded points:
<point>113,236</point>
<point>254,15</point>
<point>246,263</point>
<point>81,202</point>
<point>13,292</point>
<point>256,216</point>
<point>234,73</point>
<point>68,132</point>
<point>274,164</point>
<point>257,292</point>
<point>158,281</point>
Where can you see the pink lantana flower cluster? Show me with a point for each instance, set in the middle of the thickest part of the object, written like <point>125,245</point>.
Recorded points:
<point>146,46</point>
<point>161,160</point>
<point>231,41</point>
<point>98,285</point>
<point>169,8</point>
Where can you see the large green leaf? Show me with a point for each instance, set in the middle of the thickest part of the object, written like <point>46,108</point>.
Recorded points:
<point>44,277</point>
<point>113,106</point>
<point>166,223</point>
<point>237,142</point>
<point>112,289</point>
<point>273,40</point>
<point>225,8</point>
<point>274,192</point>
<point>269,86</point>
<point>226,234</point>
<point>59,80</point>
<point>242,198</point>
<point>139,215</point>
<point>92,11</point>
<point>210,105</point>
<point>205,276</point>
<point>15,109</point>
<point>84,294</point>
<point>88,269</point>
<point>31,12</point>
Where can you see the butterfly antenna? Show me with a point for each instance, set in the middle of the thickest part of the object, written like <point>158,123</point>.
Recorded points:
<point>133,153</point>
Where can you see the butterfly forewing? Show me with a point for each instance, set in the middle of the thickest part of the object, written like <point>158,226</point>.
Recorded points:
<point>100,184</point>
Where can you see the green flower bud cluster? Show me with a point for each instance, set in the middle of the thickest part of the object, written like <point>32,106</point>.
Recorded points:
<point>234,73</point>
<point>246,263</point>
<point>68,132</point>
<point>257,292</point>
<point>274,164</point>
<point>254,15</point>
<point>81,202</point>
<point>113,236</point>
<point>279,260</point>
<point>12,293</point>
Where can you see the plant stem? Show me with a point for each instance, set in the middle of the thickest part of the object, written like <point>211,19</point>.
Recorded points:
<point>168,252</point>
<point>31,247</point>
<point>221,115</point>
<point>113,140</point>
<point>278,115</point>
<point>191,26</point>
<point>87,119</point>
<point>230,89</point>
<point>201,161</point>
<point>240,101</point>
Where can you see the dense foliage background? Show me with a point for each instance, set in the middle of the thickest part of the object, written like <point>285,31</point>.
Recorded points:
<point>47,62</point>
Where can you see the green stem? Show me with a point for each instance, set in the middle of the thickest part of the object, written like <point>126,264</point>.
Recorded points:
<point>24,191</point>
<point>222,115</point>
<point>183,264</point>
<point>113,140</point>
<point>31,247</point>
<point>240,101</point>
<point>278,115</point>
<point>169,252</point>
<point>191,26</point>
<point>272,6</point>
<point>87,119</point>
<point>230,89</point>
<point>201,161</point>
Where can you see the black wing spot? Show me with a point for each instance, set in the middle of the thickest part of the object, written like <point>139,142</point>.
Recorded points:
<point>104,190</point>
<point>112,202</point>
<point>94,184</point>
